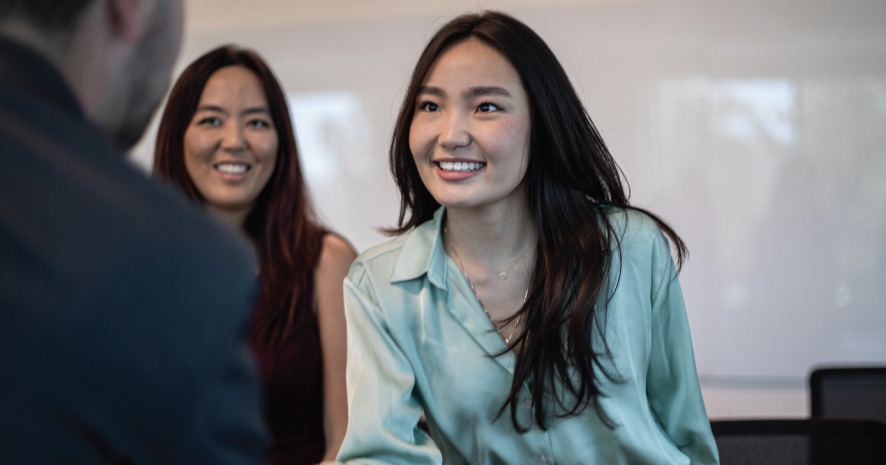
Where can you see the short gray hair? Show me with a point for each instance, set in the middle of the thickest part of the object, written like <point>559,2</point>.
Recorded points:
<point>58,16</point>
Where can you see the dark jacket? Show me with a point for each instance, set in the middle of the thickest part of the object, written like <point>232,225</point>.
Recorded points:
<point>123,309</point>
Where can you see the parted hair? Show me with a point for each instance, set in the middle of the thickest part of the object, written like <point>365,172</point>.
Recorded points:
<point>282,224</point>
<point>570,180</point>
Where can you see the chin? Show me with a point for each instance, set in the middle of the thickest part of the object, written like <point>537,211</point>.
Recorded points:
<point>455,198</point>
<point>232,206</point>
<point>458,204</point>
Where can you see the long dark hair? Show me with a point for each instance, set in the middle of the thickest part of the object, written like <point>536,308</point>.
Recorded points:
<point>282,224</point>
<point>571,179</point>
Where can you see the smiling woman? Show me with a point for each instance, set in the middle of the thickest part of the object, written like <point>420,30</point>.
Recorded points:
<point>231,143</point>
<point>470,133</point>
<point>528,311</point>
<point>226,139</point>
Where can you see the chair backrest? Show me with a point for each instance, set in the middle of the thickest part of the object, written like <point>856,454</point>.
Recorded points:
<point>858,392</point>
<point>800,442</point>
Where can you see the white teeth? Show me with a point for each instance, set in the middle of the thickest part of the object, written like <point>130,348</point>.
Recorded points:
<point>461,166</point>
<point>232,168</point>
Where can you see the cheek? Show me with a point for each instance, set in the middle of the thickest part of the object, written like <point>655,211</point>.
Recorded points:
<point>197,146</point>
<point>266,151</point>
<point>511,139</point>
<point>263,145</point>
<point>198,150</point>
<point>418,139</point>
<point>269,148</point>
<point>522,136</point>
<point>197,170</point>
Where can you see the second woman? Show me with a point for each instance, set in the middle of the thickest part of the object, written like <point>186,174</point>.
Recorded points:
<point>226,139</point>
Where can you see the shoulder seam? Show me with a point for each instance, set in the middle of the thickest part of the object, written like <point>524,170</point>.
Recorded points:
<point>380,250</point>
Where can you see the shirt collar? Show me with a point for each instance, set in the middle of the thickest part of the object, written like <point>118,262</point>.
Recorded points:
<point>423,253</point>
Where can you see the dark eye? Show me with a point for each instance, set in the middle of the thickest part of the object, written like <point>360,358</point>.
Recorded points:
<point>259,123</point>
<point>487,107</point>
<point>428,106</point>
<point>210,121</point>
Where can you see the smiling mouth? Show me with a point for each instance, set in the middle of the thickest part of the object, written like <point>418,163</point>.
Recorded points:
<point>231,168</point>
<point>459,166</point>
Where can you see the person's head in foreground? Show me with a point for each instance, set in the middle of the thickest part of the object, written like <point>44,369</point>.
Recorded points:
<point>116,56</point>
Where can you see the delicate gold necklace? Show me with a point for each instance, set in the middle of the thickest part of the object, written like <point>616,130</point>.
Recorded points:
<point>504,274</point>
<point>468,279</point>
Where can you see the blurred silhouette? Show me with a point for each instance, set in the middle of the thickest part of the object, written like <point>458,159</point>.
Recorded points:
<point>125,309</point>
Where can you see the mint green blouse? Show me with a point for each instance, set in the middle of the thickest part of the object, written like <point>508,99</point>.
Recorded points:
<point>418,340</point>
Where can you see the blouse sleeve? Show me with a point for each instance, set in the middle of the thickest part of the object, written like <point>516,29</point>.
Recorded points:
<point>672,385</point>
<point>384,409</point>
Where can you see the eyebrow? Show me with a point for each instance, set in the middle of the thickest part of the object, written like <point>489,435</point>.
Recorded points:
<point>248,111</point>
<point>487,90</point>
<point>431,90</point>
<point>479,91</point>
<point>263,110</point>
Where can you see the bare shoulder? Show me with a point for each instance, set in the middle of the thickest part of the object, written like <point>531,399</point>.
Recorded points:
<point>335,260</point>
<point>336,257</point>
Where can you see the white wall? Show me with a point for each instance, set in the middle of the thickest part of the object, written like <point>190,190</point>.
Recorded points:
<point>756,127</point>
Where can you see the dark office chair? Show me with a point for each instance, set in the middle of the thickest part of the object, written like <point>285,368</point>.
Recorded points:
<point>848,393</point>
<point>800,442</point>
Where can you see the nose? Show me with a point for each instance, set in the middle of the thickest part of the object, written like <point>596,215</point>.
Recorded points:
<point>454,132</point>
<point>232,138</point>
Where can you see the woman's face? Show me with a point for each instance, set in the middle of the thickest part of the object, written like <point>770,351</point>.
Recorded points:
<point>231,142</point>
<point>470,133</point>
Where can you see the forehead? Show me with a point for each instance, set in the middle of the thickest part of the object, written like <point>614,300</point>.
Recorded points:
<point>232,85</point>
<point>471,63</point>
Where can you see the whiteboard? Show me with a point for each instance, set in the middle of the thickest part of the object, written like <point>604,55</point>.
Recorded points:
<point>756,128</point>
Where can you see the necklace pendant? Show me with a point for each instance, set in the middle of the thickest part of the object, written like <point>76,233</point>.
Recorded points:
<point>503,275</point>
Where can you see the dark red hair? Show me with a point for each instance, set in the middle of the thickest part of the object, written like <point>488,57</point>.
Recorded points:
<point>282,224</point>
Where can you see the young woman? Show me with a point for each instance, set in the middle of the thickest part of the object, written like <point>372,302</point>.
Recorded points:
<point>527,309</point>
<point>226,139</point>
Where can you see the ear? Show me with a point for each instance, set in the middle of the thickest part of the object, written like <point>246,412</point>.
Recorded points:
<point>127,19</point>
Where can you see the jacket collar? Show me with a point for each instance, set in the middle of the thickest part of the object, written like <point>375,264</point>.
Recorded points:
<point>423,253</point>
<point>22,69</point>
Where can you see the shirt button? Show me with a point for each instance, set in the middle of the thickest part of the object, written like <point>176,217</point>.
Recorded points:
<point>543,459</point>
<point>529,400</point>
